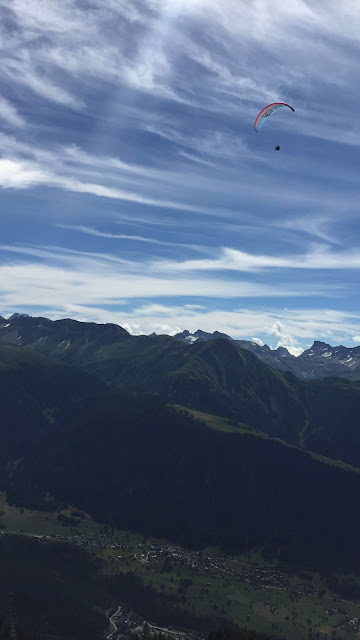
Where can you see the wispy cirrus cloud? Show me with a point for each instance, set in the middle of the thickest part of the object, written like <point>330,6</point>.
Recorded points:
<point>25,174</point>
<point>92,231</point>
<point>125,279</point>
<point>317,257</point>
<point>317,225</point>
<point>10,114</point>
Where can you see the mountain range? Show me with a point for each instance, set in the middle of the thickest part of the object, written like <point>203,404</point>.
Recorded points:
<point>319,361</point>
<point>63,338</point>
<point>97,418</point>
<point>216,375</point>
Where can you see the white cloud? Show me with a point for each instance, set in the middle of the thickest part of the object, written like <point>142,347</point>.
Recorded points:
<point>123,236</point>
<point>285,338</point>
<point>10,114</point>
<point>318,257</point>
<point>301,325</point>
<point>209,147</point>
<point>44,87</point>
<point>20,175</point>
<point>59,41</point>
<point>83,43</point>
<point>313,225</point>
<point>257,341</point>
<point>24,174</point>
<point>73,171</point>
<point>109,279</point>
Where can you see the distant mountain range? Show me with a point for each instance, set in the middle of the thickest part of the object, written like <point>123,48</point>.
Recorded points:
<point>76,342</point>
<point>320,361</point>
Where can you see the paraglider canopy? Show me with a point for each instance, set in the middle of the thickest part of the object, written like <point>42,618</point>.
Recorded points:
<point>267,111</point>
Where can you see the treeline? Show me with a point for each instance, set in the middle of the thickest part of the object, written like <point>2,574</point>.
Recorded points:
<point>21,634</point>
<point>61,590</point>
<point>58,589</point>
<point>157,608</point>
<point>236,633</point>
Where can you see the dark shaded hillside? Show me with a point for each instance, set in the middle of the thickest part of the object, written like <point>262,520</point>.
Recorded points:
<point>62,591</point>
<point>157,608</point>
<point>34,392</point>
<point>140,363</point>
<point>57,588</point>
<point>134,461</point>
<point>333,426</point>
<point>220,378</point>
<point>320,415</point>
<point>108,351</point>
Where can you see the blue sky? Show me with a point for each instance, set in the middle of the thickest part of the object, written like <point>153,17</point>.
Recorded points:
<point>135,190</point>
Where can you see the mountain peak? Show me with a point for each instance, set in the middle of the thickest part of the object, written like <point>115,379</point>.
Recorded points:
<point>200,336</point>
<point>283,352</point>
<point>18,315</point>
<point>318,344</point>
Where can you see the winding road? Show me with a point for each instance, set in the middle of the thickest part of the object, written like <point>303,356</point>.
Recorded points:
<point>108,637</point>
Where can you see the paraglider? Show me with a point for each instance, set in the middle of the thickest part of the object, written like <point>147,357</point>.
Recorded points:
<point>268,111</point>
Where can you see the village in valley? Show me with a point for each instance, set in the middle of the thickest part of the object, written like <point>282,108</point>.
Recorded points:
<point>242,579</point>
<point>248,589</point>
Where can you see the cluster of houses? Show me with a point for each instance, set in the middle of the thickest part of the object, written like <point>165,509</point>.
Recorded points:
<point>126,625</point>
<point>349,624</point>
<point>256,576</point>
<point>169,556</point>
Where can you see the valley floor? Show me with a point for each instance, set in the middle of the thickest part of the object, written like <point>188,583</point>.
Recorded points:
<point>205,584</point>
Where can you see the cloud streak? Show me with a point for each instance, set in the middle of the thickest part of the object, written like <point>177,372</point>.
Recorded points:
<point>10,114</point>
<point>22,175</point>
<point>112,279</point>
<point>318,257</point>
<point>91,231</point>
